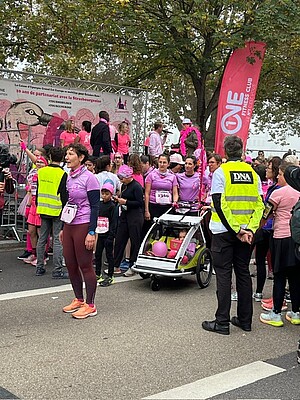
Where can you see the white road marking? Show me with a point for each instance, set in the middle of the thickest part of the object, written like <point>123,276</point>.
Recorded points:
<point>221,383</point>
<point>54,289</point>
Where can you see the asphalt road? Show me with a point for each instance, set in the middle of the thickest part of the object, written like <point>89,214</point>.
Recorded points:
<point>141,343</point>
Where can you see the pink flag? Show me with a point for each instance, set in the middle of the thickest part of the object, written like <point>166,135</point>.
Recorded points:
<point>238,92</point>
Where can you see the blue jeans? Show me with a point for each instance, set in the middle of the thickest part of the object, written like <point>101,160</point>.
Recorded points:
<point>53,224</point>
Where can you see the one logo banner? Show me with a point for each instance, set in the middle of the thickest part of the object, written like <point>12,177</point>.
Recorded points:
<point>238,92</point>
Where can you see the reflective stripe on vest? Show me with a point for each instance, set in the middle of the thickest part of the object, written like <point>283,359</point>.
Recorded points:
<point>239,196</point>
<point>49,202</point>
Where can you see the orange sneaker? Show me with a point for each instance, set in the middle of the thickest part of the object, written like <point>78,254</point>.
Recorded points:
<point>74,306</point>
<point>85,311</point>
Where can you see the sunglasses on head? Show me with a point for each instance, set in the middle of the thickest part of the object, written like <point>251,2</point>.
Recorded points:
<point>117,158</point>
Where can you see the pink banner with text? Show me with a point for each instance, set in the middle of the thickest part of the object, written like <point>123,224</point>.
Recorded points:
<point>238,91</point>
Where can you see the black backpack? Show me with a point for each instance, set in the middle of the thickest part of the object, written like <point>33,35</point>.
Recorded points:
<point>295,222</point>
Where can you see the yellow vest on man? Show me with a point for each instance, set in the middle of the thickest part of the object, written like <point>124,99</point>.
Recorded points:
<point>49,202</point>
<point>241,202</point>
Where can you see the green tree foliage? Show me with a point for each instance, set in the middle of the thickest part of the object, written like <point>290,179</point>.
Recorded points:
<point>177,48</point>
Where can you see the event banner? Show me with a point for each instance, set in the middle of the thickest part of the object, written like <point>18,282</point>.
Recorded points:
<point>37,113</point>
<point>238,92</point>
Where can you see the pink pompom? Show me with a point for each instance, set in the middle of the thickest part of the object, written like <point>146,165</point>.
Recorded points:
<point>23,146</point>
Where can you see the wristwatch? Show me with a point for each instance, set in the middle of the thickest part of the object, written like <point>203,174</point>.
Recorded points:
<point>92,233</point>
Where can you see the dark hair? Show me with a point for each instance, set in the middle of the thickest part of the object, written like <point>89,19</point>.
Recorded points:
<point>134,162</point>
<point>144,159</point>
<point>47,148</point>
<point>164,155</point>
<point>261,171</point>
<point>92,159</point>
<point>158,125</point>
<point>56,154</point>
<point>283,166</point>
<point>102,163</point>
<point>233,146</point>
<point>80,150</point>
<point>87,125</point>
<point>276,161</point>
<point>216,156</point>
<point>194,159</point>
<point>104,114</point>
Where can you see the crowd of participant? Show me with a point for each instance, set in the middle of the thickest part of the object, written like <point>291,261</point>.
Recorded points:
<point>91,194</point>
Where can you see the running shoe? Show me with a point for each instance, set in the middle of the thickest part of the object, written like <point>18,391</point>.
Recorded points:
<point>124,265</point>
<point>60,275</point>
<point>270,306</point>
<point>129,272</point>
<point>266,301</point>
<point>234,296</point>
<point>30,259</point>
<point>257,297</point>
<point>74,306</point>
<point>100,278</point>
<point>117,271</point>
<point>34,262</point>
<point>271,319</point>
<point>287,296</point>
<point>40,271</point>
<point>107,282</point>
<point>293,317</point>
<point>25,255</point>
<point>50,251</point>
<point>85,311</point>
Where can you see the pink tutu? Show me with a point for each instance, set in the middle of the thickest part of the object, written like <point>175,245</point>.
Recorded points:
<point>33,217</point>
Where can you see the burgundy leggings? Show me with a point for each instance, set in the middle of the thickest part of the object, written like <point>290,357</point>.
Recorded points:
<point>79,261</point>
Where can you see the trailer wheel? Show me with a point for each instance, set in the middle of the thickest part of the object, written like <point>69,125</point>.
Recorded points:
<point>204,268</point>
<point>155,285</point>
<point>144,275</point>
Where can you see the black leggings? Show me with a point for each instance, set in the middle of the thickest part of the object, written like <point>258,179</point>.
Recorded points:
<point>293,276</point>
<point>129,227</point>
<point>261,250</point>
<point>79,261</point>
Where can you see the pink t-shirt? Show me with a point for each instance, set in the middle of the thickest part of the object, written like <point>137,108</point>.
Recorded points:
<point>67,137</point>
<point>84,138</point>
<point>123,143</point>
<point>139,178</point>
<point>285,198</point>
<point>160,184</point>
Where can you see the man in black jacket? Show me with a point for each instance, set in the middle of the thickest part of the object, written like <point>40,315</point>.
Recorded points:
<point>100,136</point>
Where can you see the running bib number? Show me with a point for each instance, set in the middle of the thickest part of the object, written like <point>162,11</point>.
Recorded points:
<point>163,197</point>
<point>68,213</point>
<point>102,225</point>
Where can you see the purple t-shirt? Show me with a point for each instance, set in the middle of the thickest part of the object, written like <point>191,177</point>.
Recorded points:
<point>77,187</point>
<point>189,186</point>
<point>160,185</point>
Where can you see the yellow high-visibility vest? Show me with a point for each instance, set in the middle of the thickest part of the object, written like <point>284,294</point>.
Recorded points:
<point>49,202</point>
<point>241,202</point>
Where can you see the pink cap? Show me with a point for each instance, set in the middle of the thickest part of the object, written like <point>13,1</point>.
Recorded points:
<point>108,186</point>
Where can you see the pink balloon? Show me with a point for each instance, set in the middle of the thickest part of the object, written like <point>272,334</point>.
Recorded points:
<point>160,249</point>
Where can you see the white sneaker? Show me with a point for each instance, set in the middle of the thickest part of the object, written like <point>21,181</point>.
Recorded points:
<point>30,259</point>
<point>129,272</point>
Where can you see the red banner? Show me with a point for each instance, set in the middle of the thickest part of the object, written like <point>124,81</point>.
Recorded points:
<point>238,92</point>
